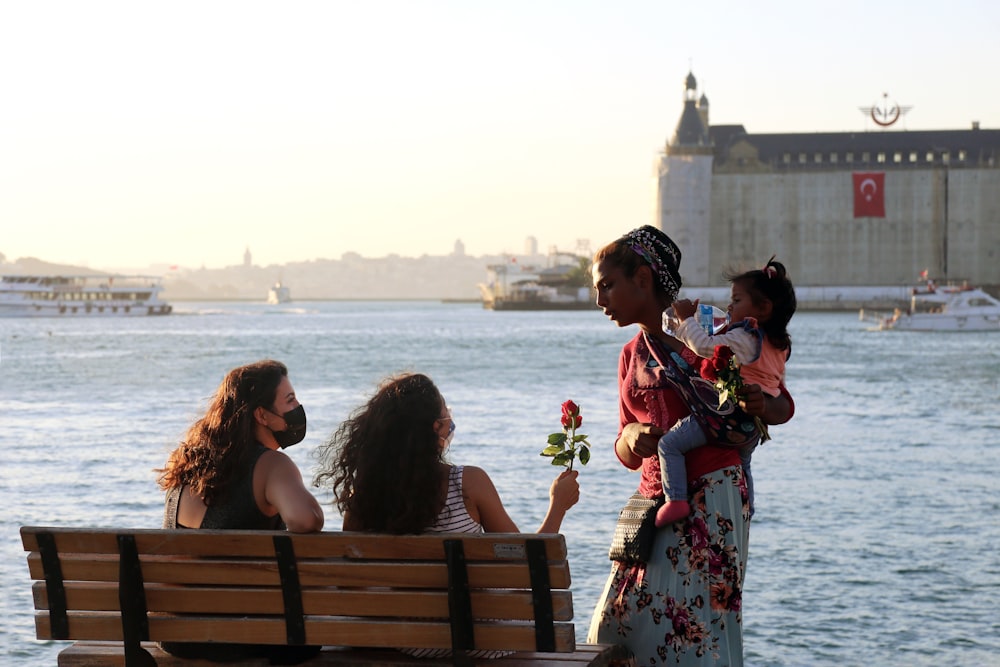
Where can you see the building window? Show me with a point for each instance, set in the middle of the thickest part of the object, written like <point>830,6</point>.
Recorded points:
<point>913,156</point>
<point>818,158</point>
<point>866,157</point>
<point>962,155</point>
<point>849,156</point>
<point>930,156</point>
<point>787,158</point>
<point>833,158</point>
<point>802,158</point>
<point>897,157</point>
<point>881,158</point>
<point>945,157</point>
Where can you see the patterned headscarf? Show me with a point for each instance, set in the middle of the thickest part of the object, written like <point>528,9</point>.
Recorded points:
<point>662,254</point>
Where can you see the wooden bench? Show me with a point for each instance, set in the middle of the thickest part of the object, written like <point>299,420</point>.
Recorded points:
<point>360,595</point>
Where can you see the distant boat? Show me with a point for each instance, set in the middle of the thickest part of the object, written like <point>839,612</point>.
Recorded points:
<point>71,296</point>
<point>934,308</point>
<point>511,286</point>
<point>279,293</point>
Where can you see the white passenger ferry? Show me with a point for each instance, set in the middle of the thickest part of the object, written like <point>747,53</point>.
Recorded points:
<point>279,294</point>
<point>560,286</point>
<point>71,296</point>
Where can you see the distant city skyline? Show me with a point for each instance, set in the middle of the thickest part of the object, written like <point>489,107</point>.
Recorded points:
<point>529,248</point>
<point>137,134</point>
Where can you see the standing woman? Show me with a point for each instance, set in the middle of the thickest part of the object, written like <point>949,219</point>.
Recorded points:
<point>683,607</point>
<point>228,474</point>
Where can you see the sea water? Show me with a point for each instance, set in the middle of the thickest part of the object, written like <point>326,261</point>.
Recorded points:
<point>877,534</point>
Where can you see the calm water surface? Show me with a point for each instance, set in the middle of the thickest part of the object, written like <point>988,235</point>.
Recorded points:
<point>877,534</point>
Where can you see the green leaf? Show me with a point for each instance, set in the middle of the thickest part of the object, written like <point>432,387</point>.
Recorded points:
<point>579,438</point>
<point>551,450</point>
<point>563,458</point>
<point>557,439</point>
<point>584,454</point>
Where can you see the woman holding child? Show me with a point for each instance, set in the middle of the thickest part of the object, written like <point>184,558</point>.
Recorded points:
<point>682,607</point>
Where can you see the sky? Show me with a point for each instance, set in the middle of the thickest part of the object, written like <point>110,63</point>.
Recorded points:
<point>138,134</point>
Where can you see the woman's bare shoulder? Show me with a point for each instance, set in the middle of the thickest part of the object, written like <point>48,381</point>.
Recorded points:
<point>474,474</point>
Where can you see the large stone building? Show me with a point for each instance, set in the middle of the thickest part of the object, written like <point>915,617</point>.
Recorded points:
<point>838,209</point>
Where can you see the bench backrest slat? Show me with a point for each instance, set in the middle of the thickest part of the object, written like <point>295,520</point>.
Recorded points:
<point>328,631</point>
<point>184,570</point>
<point>246,543</point>
<point>103,596</point>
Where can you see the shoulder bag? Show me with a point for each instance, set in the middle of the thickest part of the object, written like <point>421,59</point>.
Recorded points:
<point>635,531</point>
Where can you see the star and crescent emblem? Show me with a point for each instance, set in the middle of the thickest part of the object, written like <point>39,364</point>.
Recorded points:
<point>868,188</point>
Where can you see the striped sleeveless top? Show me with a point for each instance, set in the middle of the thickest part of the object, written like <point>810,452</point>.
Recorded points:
<point>454,518</point>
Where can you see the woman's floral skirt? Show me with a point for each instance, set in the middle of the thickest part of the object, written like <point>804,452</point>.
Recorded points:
<point>685,606</point>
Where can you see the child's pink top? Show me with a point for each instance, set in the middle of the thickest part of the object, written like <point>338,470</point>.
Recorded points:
<point>760,362</point>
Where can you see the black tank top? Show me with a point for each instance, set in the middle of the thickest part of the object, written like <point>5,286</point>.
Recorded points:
<point>237,510</point>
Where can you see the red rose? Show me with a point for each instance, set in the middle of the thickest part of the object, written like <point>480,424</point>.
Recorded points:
<point>708,371</point>
<point>565,446</point>
<point>722,358</point>
<point>571,415</point>
<point>567,421</point>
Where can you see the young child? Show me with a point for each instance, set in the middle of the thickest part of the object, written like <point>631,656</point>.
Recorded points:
<point>762,302</point>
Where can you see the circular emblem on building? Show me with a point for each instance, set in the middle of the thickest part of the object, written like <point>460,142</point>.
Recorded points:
<point>886,112</point>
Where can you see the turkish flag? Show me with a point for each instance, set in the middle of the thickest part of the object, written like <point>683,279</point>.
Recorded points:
<point>869,194</point>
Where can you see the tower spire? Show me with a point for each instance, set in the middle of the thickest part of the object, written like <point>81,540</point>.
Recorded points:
<point>692,131</point>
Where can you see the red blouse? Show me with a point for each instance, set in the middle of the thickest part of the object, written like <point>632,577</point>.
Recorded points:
<point>645,397</point>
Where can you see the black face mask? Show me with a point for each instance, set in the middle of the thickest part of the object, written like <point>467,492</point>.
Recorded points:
<point>295,428</point>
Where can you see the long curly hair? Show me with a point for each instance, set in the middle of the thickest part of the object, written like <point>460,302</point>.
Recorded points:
<point>383,462</point>
<point>218,444</point>
<point>771,284</point>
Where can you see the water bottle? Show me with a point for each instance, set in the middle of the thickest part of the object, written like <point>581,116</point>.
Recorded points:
<point>706,318</point>
<point>670,322</point>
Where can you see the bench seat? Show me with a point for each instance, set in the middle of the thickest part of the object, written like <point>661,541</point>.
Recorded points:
<point>103,654</point>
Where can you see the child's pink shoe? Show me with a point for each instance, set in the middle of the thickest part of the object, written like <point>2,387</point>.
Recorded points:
<point>671,511</point>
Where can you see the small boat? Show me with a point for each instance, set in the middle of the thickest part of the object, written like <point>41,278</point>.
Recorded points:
<point>948,308</point>
<point>91,295</point>
<point>279,293</point>
<point>512,286</point>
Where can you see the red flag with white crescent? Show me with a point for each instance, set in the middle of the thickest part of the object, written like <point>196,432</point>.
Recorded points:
<point>869,194</point>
